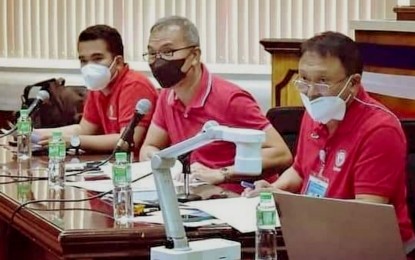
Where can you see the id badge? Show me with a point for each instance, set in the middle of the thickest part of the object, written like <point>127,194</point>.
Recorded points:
<point>316,187</point>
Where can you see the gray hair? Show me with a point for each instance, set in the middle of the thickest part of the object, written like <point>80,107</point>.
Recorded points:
<point>190,32</point>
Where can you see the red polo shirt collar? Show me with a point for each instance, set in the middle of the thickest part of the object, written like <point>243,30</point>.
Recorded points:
<point>349,120</point>
<point>203,91</point>
<point>115,82</point>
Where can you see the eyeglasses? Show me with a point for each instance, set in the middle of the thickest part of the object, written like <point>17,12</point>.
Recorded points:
<point>323,88</point>
<point>166,55</point>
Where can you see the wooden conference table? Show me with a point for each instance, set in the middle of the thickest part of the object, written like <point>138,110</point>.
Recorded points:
<point>81,230</point>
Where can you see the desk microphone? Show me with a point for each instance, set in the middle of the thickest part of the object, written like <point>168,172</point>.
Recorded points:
<point>41,97</point>
<point>141,109</point>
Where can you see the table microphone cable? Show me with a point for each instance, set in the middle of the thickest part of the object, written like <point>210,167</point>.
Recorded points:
<point>99,195</point>
<point>9,132</point>
<point>30,178</point>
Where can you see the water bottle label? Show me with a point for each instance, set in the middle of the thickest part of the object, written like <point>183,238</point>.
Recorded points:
<point>121,175</point>
<point>24,127</point>
<point>53,150</point>
<point>266,218</point>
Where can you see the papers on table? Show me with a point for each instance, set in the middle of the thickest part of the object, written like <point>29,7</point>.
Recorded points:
<point>138,170</point>
<point>192,218</point>
<point>240,213</point>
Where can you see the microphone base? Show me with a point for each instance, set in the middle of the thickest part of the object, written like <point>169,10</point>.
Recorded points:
<point>188,197</point>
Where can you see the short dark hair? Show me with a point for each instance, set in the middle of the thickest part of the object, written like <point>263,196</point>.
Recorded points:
<point>337,45</point>
<point>104,32</point>
<point>190,32</point>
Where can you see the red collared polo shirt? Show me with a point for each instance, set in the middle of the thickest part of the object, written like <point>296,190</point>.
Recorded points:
<point>112,112</point>
<point>365,155</point>
<point>216,99</point>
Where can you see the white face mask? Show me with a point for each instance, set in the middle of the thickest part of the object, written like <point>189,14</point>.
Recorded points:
<point>97,76</point>
<point>323,109</point>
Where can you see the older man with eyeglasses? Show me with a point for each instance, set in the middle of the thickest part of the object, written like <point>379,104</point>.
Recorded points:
<point>193,96</point>
<point>350,146</point>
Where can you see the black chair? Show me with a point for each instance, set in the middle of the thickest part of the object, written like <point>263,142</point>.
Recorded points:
<point>408,126</point>
<point>287,121</point>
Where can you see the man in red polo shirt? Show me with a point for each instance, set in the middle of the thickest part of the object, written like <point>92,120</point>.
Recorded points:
<point>191,97</point>
<point>350,146</point>
<point>114,90</point>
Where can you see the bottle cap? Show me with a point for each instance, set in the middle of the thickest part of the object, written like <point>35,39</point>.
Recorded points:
<point>24,112</point>
<point>121,157</point>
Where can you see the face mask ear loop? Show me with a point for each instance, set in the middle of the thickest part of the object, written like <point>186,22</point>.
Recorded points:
<point>112,63</point>
<point>111,66</point>
<point>344,88</point>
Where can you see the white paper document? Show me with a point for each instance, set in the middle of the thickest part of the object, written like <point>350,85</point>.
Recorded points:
<point>138,170</point>
<point>157,218</point>
<point>240,213</point>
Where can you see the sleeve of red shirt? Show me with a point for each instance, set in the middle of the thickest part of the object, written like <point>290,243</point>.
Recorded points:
<point>90,112</point>
<point>130,95</point>
<point>243,111</point>
<point>380,168</point>
<point>159,113</point>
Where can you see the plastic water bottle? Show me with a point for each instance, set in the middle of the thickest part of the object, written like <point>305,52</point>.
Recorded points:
<point>57,154</point>
<point>266,235</point>
<point>24,147</point>
<point>122,193</point>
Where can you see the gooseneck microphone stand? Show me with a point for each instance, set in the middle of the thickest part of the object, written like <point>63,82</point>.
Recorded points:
<point>186,196</point>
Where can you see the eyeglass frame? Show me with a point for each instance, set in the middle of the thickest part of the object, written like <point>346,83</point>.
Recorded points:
<point>310,84</point>
<point>162,54</point>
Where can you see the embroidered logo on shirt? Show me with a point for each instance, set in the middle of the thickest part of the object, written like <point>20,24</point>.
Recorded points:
<point>110,113</point>
<point>340,159</point>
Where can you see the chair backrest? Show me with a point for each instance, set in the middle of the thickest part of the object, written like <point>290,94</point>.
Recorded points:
<point>287,121</point>
<point>408,126</point>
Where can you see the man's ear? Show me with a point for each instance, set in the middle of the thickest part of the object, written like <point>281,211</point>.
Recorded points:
<point>197,53</point>
<point>356,79</point>
<point>119,61</point>
<point>355,82</point>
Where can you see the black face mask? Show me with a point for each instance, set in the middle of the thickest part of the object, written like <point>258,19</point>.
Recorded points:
<point>168,72</point>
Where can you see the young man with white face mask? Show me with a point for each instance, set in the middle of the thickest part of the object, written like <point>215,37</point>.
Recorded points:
<point>191,97</point>
<point>114,91</point>
<point>350,146</point>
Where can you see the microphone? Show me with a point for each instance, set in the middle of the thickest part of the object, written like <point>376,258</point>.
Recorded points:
<point>41,97</point>
<point>141,109</point>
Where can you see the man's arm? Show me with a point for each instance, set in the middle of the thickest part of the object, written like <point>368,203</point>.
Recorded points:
<point>87,134</point>
<point>83,128</point>
<point>372,198</point>
<point>105,143</point>
<point>289,181</point>
<point>275,152</point>
<point>156,140</point>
